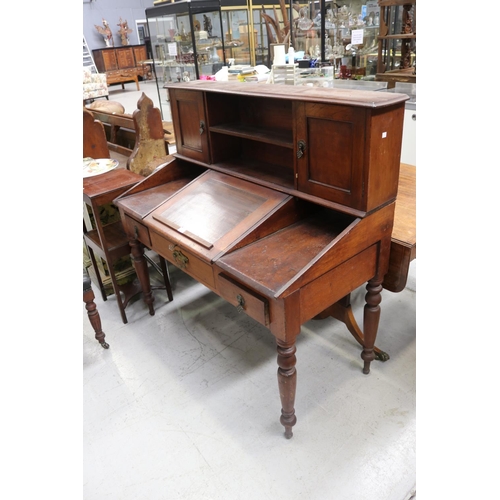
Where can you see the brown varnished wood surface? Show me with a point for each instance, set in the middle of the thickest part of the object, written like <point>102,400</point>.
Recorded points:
<point>359,98</point>
<point>282,246</point>
<point>404,234</point>
<point>188,111</point>
<point>94,138</point>
<point>243,135</point>
<point>271,262</point>
<point>110,241</point>
<point>197,205</point>
<point>405,223</point>
<point>101,189</point>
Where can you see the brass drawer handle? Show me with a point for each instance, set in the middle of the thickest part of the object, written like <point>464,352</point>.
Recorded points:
<point>241,303</point>
<point>180,258</point>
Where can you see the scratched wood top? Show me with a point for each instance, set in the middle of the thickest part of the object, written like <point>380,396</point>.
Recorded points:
<point>362,98</point>
<point>405,218</point>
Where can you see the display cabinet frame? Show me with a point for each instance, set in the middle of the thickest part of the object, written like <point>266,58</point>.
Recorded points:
<point>187,40</point>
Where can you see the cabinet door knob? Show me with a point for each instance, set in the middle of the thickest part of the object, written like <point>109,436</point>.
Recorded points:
<point>202,127</point>
<point>301,147</point>
<point>414,117</point>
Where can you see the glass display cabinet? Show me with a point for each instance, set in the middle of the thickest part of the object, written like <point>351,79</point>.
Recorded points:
<point>270,26</point>
<point>238,45</point>
<point>397,41</point>
<point>186,39</point>
<point>341,36</point>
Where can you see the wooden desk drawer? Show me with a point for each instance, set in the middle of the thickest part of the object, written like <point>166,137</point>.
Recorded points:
<point>135,229</point>
<point>183,259</point>
<point>256,306</point>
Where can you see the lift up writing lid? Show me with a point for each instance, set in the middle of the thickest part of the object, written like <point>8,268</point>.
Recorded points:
<point>213,212</point>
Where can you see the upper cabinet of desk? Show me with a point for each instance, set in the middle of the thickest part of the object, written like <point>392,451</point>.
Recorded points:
<point>336,147</point>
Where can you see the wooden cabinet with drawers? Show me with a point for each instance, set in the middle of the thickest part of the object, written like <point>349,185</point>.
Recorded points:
<point>280,200</point>
<point>128,61</point>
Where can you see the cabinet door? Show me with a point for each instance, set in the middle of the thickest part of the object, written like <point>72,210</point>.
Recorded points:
<point>188,116</point>
<point>125,57</point>
<point>105,60</point>
<point>140,53</point>
<point>329,143</point>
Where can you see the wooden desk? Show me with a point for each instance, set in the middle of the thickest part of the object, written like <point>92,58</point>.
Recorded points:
<point>281,201</point>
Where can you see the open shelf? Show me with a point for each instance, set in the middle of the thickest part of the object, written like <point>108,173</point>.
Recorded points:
<point>275,137</point>
<point>267,174</point>
<point>116,239</point>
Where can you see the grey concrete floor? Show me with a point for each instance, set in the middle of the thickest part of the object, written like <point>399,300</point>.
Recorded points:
<point>185,405</point>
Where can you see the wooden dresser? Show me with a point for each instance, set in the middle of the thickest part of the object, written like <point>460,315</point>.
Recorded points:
<point>280,200</point>
<point>123,64</point>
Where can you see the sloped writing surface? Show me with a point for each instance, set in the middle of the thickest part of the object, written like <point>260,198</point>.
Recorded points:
<point>210,211</point>
<point>269,263</point>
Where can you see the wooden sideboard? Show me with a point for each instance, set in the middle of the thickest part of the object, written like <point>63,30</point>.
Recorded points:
<point>279,200</point>
<point>123,63</point>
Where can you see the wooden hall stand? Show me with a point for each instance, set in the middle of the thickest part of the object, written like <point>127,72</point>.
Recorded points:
<point>109,241</point>
<point>281,203</point>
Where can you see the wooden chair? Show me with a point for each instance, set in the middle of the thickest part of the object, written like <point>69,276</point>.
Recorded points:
<point>95,144</point>
<point>109,241</point>
<point>150,148</point>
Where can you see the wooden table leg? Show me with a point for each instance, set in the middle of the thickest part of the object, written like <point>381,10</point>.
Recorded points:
<point>97,273</point>
<point>141,269</point>
<point>93,314</point>
<point>166,278</point>
<point>342,311</point>
<point>371,317</point>
<point>287,383</point>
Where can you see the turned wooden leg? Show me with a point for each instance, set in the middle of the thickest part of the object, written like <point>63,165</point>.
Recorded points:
<point>141,269</point>
<point>342,311</point>
<point>287,383</point>
<point>93,314</point>
<point>97,273</point>
<point>371,318</point>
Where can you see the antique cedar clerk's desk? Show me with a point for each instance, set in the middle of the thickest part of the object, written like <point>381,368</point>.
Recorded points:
<point>280,200</point>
